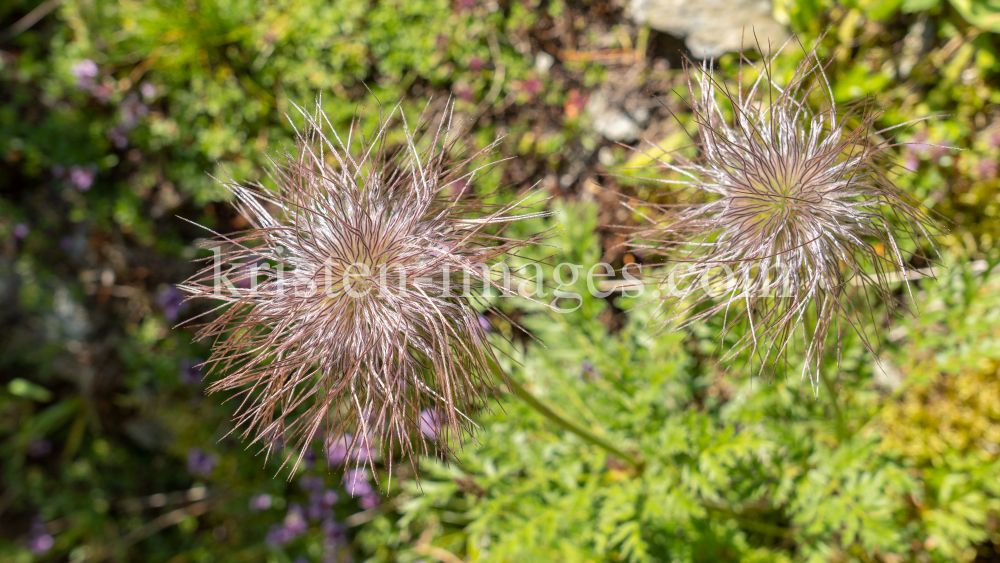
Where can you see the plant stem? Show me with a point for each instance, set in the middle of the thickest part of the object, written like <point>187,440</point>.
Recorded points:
<point>841,428</point>
<point>548,413</point>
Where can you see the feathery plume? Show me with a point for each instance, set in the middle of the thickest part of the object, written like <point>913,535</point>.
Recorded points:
<point>348,313</point>
<point>791,213</point>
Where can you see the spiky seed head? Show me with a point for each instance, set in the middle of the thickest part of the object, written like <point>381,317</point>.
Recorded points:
<point>358,320</point>
<point>785,214</point>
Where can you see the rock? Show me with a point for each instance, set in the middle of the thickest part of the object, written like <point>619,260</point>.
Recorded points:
<point>610,121</point>
<point>713,27</point>
<point>543,62</point>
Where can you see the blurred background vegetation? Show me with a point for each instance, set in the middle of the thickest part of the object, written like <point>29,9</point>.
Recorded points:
<point>114,114</point>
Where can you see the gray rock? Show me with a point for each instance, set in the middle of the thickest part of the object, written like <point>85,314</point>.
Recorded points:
<point>713,27</point>
<point>611,121</point>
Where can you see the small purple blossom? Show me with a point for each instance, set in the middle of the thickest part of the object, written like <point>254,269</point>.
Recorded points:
<point>171,301</point>
<point>334,531</point>
<point>986,169</point>
<point>295,520</point>
<point>118,137</point>
<point>40,541</point>
<point>532,86</point>
<point>994,140</point>
<point>430,421</point>
<point>260,502</point>
<point>309,459</point>
<point>485,323</point>
<point>131,110</point>
<point>190,371</point>
<point>475,63</point>
<point>464,5</point>
<point>370,501</point>
<point>21,230</point>
<point>39,448</point>
<point>338,450</point>
<point>41,544</point>
<point>464,93</point>
<point>200,464</point>
<point>356,482</point>
<point>311,483</point>
<point>82,177</point>
<point>246,275</point>
<point>85,71</point>
<point>321,504</point>
<point>148,91</point>
<point>278,535</point>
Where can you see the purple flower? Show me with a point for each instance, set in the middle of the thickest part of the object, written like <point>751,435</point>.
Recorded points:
<point>295,521</point>
<point>118,137</point>
<point>246,276</point>
<point>278,535</point>
<point>532,86</point>
<point>39,448</point>
<point>40,541</point>
<point>81,177</point>
<point>311,483</point>
<point>430,421</point>
<point>356,482</point>
<point>200,464</point>
<point>334,531</point>
<point>370,501</point>
<point>485,323</point>
<point>339,450</point>
<point>321,503</point>
<point>131,110</point>
<point>309,459</point>
<point>464,5</point>
<point>41,544</point>
<point>147,90</point>
<point>260,502</point>
<point>73,244</point>
<point>994,140</point>
<point>171,301</point>
<point>190,371</point>
<point>475,63</point>
<point>21,230</point>
<point>85,71</point>
<point>986,169</point>
<point>464,93</point>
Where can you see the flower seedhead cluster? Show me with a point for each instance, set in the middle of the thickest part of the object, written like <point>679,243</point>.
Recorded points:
<point>344,317</point>
<point>785,213</point>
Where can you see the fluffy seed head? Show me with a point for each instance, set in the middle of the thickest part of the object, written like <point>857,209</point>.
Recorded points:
<point>785,214</point>
<point>346,314</point>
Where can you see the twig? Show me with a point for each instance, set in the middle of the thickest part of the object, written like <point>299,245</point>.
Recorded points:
<point>360,518</point>
<point>567,425</point>
<point>498,77</point>
<point>33,17</point>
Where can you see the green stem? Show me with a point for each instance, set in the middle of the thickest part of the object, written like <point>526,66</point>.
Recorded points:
<point>841,427</point>
<point>548,413</point>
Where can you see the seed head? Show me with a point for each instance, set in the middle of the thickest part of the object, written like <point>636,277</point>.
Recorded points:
<point>347,315</point>
<point>786,214</point>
